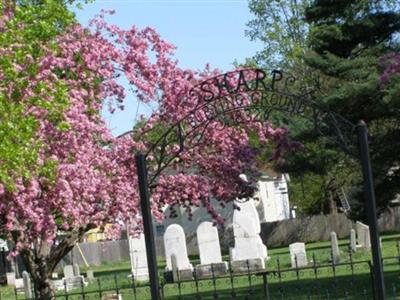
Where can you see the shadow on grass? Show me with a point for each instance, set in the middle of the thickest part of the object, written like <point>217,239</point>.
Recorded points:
<point>343,287</point>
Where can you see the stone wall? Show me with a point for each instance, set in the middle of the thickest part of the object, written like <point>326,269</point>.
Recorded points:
<point>305,229</point>
<point>319,227</point>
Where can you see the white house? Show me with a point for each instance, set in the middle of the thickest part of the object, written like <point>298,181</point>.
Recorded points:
<point>271,199</point>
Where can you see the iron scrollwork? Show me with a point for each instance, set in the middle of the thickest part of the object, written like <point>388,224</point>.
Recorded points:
<point>227,97</point>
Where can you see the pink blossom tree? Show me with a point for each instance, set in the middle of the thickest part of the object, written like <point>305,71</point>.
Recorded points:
<point>93,180</point>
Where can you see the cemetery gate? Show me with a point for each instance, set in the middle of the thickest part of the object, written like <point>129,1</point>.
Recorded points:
<point>259,93</point>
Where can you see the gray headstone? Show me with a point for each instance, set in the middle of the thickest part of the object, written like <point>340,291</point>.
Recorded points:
<point>363,237</point>
<point>77,270</point>
<point>90,275</point>
<point>27,285</point>
<point>69,271</point>
<point>353,241</point>
<point>298,256</point>
<point>335,248</point>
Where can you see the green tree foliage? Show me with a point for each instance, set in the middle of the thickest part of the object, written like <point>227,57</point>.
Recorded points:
<point>343,44</point>
<point>348,39</point>
<point>27,27</point>
<point>281,27</point>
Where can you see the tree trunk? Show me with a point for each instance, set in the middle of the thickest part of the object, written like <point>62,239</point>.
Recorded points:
<point>44,289</point>
<point>37,267</point>
<point>42,259</point>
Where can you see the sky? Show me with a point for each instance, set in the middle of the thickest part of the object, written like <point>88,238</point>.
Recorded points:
<point>204,31</point>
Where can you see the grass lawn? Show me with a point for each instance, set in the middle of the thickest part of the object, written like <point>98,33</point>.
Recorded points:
<point>321,282</point>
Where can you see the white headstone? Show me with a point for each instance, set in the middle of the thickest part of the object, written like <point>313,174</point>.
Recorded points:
<point>175,244</point>
<point>3,245</point>
<point>69,271</point>
<point>353,241</point>
<point>137,250</point>
<point>19,283</point>
<point>208,243</point>
<point>298,256</point>
<point>269,212</point>
<point>274,200</point>
<point>363,237</point>
<point>10,278</point>
<point>335,248</point>
<point>246,231</point>
<point>27,285</point>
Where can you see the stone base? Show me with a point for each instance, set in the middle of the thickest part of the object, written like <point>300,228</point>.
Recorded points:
<point>243,266</point>
<point>74,282</point>
<point>206,271</point>
<point>182,275</point>
<point>58,284</point>
<point>141,276</point>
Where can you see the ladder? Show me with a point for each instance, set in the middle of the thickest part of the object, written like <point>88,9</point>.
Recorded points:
<point>343,201</point>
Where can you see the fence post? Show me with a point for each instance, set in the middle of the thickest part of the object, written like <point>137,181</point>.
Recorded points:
<point>148,226</point>
<point>297,267</point>
<point>265,286</point>
<point>196,284</point>
<point>334,275</point>
<point>351,264</point>
<point>116,283</point>
<point>371,272</point>
<point>214,282</point>
<point>66,289</point>
<point>249,277</point>
<point>370,204</point>
<point>398,250</point>
<point>278,261</point>
<point>83,289</point>
<point>233,294</point>
<point>133,285</point>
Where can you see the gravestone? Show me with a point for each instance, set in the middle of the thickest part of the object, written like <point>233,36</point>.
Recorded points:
<point>10,278</point>
<point>137,251</point>
<point>77,270</point>
<point>89,275</point>
<point>353,241</point>
<point>298,255</point>
<point>248,249</point>
<point>335,248</point>
<point>175,245</point>
<point>19,284</point>
<point>27,285</point>
<point>363,237</point>
<point>210,251</point>
<point>71,280</point>
<point>68,271</point>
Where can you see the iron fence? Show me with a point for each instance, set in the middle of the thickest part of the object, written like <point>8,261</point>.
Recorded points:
<point>320,279</point>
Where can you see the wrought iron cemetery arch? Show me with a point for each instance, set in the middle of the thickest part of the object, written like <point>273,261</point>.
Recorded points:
<point>253,90</point>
